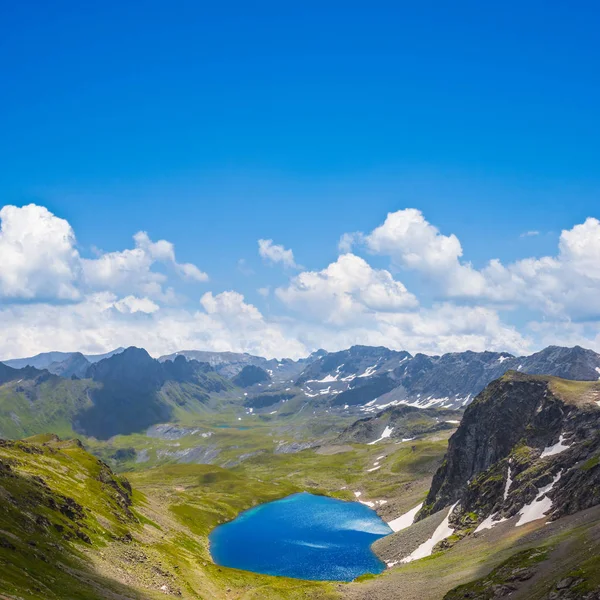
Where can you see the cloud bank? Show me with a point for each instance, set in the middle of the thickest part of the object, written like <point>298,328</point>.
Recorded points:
<point>54,298</point>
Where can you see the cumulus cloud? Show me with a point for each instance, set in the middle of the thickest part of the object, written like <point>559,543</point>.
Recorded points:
<point>345,290</point>
<point>101,321</point>
<point>414,243</point>
<point>131,269</point>
<point>565,285</point>
<point>55,299</point>
<point>38,255</point>
<point>40,261</point>
<point>275,253</point>
<point>353,303</point>
<point>132,304</point>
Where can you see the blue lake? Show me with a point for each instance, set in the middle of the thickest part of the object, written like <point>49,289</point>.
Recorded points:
<point>302,536</point>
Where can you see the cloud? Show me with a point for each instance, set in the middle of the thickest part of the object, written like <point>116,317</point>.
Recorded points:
<point>55,299</point>
<point>264,291</point>
<point>565,285</point>
<point>345,290</point>
<point>131,304</point>
<point>350,302</point>
<point>131,269</point>
<point>414,243</point>
<point>529,234</point>
<point>101,321</point>
<point>243,268</point>
<point>274,254</point>
<point>40,261</point>
<point>191,272</point>
<point>38,255</point>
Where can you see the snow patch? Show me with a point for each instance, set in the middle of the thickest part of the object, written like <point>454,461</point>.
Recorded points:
<point>489,523</point>
<point>405,520</point>
<point>369,371</point>
<point>508,483</point>
<point>386,434</point>
<point>539,506</point>
<point>557,448</point>
<point>441,533</point>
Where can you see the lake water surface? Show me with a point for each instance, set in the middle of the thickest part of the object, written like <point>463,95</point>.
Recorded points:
<point>302,536</point>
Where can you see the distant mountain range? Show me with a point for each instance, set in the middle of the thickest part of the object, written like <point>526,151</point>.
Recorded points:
<point>65,364</point>
<point>230,364</point>
<point>127,391</point>
<point>124,393</point>
<point>375,377</point>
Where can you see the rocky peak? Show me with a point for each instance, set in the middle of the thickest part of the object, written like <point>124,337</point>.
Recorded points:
<point>524,439</point>
<point>251,375</point>
<point>132,368</point>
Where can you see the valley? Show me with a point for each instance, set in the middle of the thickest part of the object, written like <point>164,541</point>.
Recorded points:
<point>167,450</point>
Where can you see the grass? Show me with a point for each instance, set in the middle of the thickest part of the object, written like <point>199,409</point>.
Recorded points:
<point>484,588</point>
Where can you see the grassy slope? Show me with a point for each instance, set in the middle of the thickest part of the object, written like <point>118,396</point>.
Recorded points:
<point>27,409</point>
<point>57,501</point>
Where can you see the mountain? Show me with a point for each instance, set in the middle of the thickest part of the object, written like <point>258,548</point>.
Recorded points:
<point>373,378</point>
<point>250,375</point>
<point>75,365</point>
<point>8,374</point>
<point>229,364</point>
<point>64,364</point>
<point>347,365</point>
<point>527,447</point>
<point>124,393</point>
<point>135,391</point>
<point>399,423</point>
<point>519,483</point>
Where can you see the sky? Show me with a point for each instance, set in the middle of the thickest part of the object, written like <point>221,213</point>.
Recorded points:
<point>276,178</point>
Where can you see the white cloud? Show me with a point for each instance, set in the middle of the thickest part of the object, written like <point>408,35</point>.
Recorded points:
<point>99,323</point>
<point>529,234</point>
<point>132,304</point>
<point>131,269</point>
<point>191,272</point>
<point>275,253</point>
<point>40,261</point>
<point>345,291</point>
<point>354,303</point>
<point>37,255</point>
<point>414,243</point>
<point>54,299</point>
<point>264,291</point>
<point>565,285</point>
<point>348,241</point>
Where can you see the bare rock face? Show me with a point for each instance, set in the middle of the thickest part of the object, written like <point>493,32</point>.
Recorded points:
<point>524,440</point>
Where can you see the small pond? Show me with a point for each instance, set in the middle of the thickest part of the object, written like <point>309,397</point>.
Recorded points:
<point>302,536</point>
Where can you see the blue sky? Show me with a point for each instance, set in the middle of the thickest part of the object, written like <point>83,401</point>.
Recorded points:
<point>215,126</point>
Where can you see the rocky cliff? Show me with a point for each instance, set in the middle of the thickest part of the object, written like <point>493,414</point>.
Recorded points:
<point>528,446</point>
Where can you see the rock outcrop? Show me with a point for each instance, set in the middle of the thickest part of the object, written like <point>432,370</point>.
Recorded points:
<point>527,446</point>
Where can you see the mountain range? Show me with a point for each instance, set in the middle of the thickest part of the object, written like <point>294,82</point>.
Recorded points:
<point>127,391</point>
<point>65,364</point>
